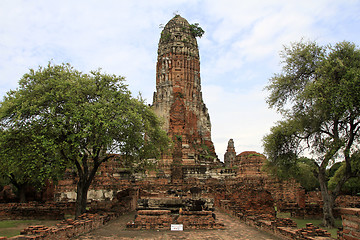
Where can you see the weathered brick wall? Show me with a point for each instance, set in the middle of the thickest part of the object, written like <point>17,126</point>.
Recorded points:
<point>111,178</point>
<point>313,207</point>
<point>250,173</point>
<point>351,224</point>
<point>244,199</point>
<point>162,219</point>
<point>347,201</point>
<point>344,201</point>
<point>124,201</point>
<point>46,193</point>
<point>35,210</point>
<point>285,228</point>
<point>67,229</point>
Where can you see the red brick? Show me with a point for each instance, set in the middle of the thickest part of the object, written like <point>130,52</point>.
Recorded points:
<point>350,224</point>
<point>350,211</point>
<point>355,234</point>
<point>346,237</point>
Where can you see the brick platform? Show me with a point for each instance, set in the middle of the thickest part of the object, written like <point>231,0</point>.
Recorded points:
<point>162,220</point>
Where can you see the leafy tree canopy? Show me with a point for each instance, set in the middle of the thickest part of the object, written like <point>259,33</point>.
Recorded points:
<point>337,171</point>
<point>86,118</point>
<point>196,30</point>
<point>318,94</point>
<point>27,160</point>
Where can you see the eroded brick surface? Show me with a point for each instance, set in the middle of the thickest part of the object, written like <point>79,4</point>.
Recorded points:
<point>178,99</point>
<point>190,174</point>
<point>351,224</point>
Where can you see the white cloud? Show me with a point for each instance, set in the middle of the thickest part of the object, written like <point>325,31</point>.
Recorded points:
<point>239,51</point>
<point>241,115</point>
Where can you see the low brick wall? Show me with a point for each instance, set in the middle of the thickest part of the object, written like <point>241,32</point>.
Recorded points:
<point>151,219</point>
<point>199,220</point>
<point>123,201</point>
<point>351,224</point>
<point>66,229</point>
<point>162,220</point>
<point>281,227</point>
<point>35,210</point>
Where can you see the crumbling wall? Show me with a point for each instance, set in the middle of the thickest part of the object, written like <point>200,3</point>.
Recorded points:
<point>35,210</point>
<point>242,199</point>
<point>351,224</point>
<point>162,220</point>
<point>110,179</point>
<point>66,229</point>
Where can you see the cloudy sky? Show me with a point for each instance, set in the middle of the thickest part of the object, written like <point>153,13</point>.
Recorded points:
<point>239,51</point>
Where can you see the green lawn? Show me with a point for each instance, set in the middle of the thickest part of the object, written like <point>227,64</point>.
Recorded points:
<point>301,223</point>
<point>10,228</point>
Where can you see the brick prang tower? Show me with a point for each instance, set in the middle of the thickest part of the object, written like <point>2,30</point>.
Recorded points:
<point>178,100</point>
<point>230,155</point>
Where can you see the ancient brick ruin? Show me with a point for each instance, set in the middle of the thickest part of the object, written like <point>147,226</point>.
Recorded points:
<point>229,156</point>
<point>178,101</point>
<point>190,182</point>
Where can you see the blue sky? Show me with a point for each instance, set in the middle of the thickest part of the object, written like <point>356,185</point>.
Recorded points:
<point>239,51</point>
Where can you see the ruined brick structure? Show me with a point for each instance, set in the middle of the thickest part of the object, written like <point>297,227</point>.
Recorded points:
<point>193,162</point>
<point>178,100</point>
<point>229,156</point>
<point>190,182</point>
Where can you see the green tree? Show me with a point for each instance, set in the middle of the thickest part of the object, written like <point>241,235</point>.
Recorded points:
<point>196,30</point>
<point>318,94</point>
<point>27,160</point>
<point>87,118</point>
<point>336,172</point>
<point>301,171</point>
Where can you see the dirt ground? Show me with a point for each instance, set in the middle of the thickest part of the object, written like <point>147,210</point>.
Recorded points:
<point>234,229</point>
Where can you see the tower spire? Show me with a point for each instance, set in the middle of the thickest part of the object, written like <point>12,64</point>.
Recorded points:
<point>178,97</point>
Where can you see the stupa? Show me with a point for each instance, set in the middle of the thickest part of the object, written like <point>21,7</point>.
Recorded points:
<point>178,100</point>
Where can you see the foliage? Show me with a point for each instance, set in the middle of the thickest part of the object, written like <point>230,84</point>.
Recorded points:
<point>305,174</point>
<point>165,36</point>
<point>196,30</point>
<point>178,137</point>
<point>27,159</point>
<point>86,118</point>
<point>3,181</point>
<point>206,153</point>
<point>337,171</point>
<point>301,171</point>
<point>254,155</point>
<point>318,94</point>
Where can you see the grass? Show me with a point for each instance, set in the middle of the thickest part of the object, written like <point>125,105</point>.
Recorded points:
<point>11,228</point>
<point>301,223</point>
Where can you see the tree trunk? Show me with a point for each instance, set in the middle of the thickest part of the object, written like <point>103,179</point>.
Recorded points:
<point>328,218</point>
<point>22,193</point>
<point>21,189</point>
<point>83,186</point>
<point>328,201</point>
<point>86,176</point>
<point>81,197</point>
